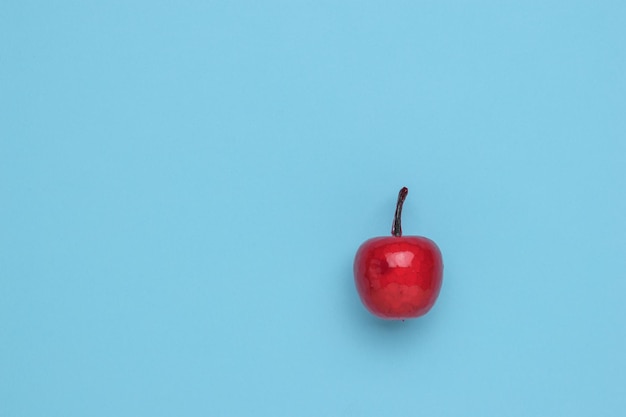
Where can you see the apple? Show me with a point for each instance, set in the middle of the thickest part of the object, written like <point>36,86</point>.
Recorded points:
<point>398,277</point>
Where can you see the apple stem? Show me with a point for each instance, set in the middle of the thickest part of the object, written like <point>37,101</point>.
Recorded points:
<point>396,228</point>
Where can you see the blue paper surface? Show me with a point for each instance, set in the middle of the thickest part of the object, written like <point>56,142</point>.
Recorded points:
<point>183,187</point>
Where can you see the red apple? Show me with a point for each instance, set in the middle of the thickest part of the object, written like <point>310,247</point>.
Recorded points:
<point>398,277</point>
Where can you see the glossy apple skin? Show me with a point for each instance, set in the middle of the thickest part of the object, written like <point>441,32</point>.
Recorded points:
<point>398,277</point>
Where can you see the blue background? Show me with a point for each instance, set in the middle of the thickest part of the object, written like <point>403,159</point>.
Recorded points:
<point>184,186</point>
